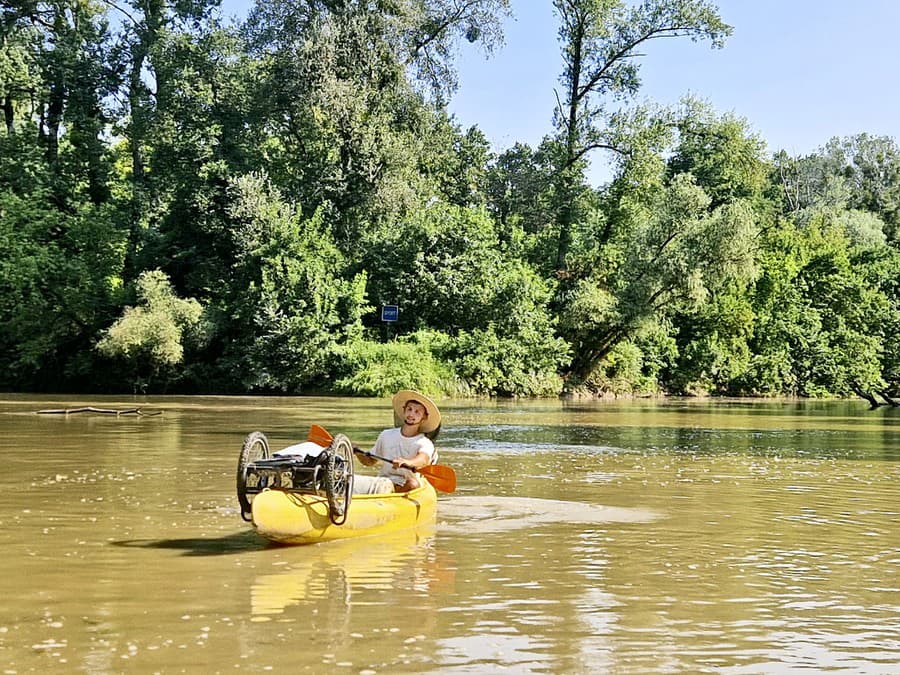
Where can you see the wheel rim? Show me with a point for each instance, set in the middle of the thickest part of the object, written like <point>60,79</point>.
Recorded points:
<point>339,478</point>
<point>256,446</point>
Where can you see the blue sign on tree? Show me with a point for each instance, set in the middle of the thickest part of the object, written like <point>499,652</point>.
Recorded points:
<point>390,312</point>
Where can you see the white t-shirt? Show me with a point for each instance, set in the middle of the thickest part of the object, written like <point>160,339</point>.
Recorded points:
<point>392,444</point>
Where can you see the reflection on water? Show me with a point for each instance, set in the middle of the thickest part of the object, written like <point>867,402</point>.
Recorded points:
<point>627,537</point>
<point>340,567</point>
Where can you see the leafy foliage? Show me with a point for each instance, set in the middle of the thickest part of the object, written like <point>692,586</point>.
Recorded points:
<point>149,337</point>
<point>814,307</point>
<point>58,280</point>
<point>379,369</point>
<point>290,301</point>
<point>601,43</point>
<point>203,207</point>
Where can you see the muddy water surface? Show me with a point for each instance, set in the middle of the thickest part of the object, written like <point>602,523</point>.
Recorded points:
<point>623,537</point>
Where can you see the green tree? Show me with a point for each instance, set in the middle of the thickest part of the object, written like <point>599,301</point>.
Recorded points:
<point>53,84</point>
<point>518,189</point>
<point>712,344</point>
<point>819,327</point>
<point>859,172</point>
<point>729,163</point>
<point>660,244</point>
<point>59,277</point>
<point>882,273</point>
<point>202,139</point>
<point>349,127</point>
<point>149,338</point>
<point>414,361</point>
<point>724,157</point>
<point>842,202</point>
<point>291,301</point>
<point>673,251</point>
<point>428,32</point>
<point>444,269</point>
<point>601,42</point>
<point>459,165</point>
<point>147,31</point>
<point>62,253</point>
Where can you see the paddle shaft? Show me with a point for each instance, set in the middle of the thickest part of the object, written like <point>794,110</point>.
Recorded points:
<point>389,461</point>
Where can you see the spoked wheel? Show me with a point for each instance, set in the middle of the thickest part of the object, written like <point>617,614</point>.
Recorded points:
<point>339,478</point>
<point>256,446</point>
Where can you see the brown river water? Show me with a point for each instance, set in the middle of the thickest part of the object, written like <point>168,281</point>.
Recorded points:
<point>677,536</point>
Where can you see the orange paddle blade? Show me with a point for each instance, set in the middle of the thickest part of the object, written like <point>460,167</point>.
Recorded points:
<point>319,436</point>
<point>442,477</point>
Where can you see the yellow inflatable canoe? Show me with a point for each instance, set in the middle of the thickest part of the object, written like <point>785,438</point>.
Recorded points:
<point>292,518</point>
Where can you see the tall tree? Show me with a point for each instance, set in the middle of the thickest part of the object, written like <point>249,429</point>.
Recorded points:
<point>53,81</point>
<point>204,135</point>
<point>601,42</point>
<point>61,252</point>
<point>293,300</point>
<point>860,172</point>
<point>344,97</point>
<point>518,189</point>
<point>146,27</point>
<point>662,243</point>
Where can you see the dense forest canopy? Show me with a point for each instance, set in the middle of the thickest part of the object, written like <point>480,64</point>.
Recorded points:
<point>192,206</point>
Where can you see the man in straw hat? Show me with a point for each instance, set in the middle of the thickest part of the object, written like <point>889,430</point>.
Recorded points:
<point>408,446</point>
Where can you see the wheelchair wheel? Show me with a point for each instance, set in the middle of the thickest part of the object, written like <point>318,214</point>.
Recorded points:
<point>256,446</point>
<point>338,478</point>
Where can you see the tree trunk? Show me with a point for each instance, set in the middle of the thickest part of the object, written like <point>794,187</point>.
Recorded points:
<point>8,114</point>
<point>55,109</point>
<point>136,130</point>
<point>138,94</point>
<point>887,397</point>
<point>868,396</point>
<point>568,177</point>
<point>139,101</point>
<point>586,360</point>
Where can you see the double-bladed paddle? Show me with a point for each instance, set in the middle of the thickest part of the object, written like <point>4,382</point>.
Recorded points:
<point>442,477</point>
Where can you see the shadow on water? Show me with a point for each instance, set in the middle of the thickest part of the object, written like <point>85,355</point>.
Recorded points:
<point>240,542</point>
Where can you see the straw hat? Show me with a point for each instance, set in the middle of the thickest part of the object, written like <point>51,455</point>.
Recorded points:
<point>430,423</point>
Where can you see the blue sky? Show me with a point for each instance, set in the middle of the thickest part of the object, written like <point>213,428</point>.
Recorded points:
<point>799,71</point>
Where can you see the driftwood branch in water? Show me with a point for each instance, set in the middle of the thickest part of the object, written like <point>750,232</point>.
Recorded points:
<point>103,411</point>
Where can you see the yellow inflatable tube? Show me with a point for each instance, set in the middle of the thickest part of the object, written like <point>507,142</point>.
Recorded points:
<point>291,518</point>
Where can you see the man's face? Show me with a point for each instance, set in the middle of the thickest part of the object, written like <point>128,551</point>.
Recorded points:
<point>414,413</point>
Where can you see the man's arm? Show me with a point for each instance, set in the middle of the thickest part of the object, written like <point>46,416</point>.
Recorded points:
<point>421,459</point>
